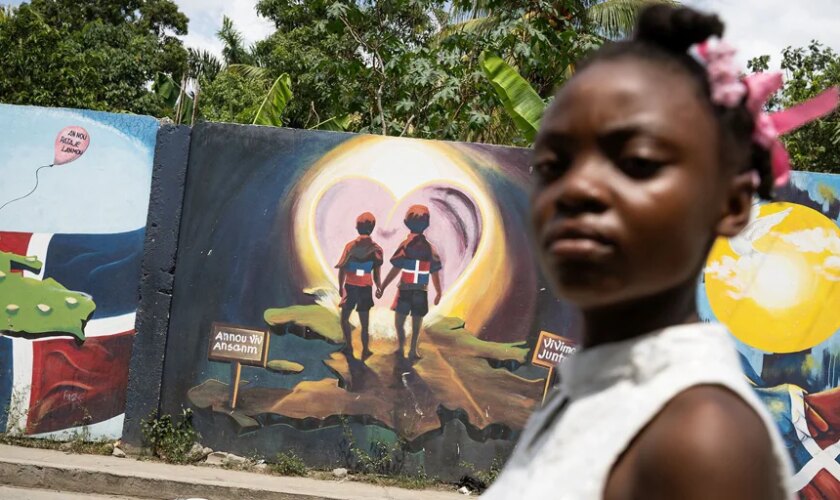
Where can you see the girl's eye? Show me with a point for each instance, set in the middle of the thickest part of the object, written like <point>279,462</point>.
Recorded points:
<point>640,168</point>
<point>550,171</point>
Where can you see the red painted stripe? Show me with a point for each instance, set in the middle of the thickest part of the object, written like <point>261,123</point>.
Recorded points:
<point>16,243</point>
<point>352,279</point>
<point>76,384</point>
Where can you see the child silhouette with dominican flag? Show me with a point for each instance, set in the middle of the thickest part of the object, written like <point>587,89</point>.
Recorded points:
<point>418,263</point>
<point>358,270</point>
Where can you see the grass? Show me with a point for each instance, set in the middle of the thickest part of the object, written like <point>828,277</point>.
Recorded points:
<point>405,481</point>
<point>284,464</point>
<point>75,445</point>
<point>288,464</point>
<point>408,482</point>
<point>171,439</point>
<point>486,476</point>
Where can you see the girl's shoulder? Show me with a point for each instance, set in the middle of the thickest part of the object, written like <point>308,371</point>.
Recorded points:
<point>704,432</point>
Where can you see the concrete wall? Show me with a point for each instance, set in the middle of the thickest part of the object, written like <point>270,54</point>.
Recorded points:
<point>157,277</point>
<point>73,208</point>
<point>267,216</point>
<point>260,219</point>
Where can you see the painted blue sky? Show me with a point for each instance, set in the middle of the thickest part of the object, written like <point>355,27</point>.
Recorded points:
<point>104,191</point>
<point>755,26</point>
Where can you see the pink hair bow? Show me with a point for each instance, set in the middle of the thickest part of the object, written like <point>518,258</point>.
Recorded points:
<point>770,126</point>
<point>729,90</point>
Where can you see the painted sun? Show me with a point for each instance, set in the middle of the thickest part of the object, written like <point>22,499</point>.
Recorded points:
<point>777,286</point>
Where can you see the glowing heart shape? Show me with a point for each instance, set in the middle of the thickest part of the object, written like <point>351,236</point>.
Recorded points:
<point>455,229</point>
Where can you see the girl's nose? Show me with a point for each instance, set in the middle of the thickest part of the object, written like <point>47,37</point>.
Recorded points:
<point>584,189</point>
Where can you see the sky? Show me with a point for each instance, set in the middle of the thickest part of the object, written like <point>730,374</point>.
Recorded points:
<point>755,27</point>
<point>206,19</point>
<point>758,27</point>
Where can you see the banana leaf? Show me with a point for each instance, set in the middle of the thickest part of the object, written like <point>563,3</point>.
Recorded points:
<point>336,123</point>
<point>520,100</point>
<point>272,107</point>
<point>167,89</point>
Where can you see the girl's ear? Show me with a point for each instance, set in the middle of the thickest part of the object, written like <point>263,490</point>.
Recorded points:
<point>735,214</point>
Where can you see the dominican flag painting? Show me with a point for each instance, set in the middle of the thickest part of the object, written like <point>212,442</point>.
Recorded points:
<point>54,380</point>
<point>415,272</point>
<point>810,427</point>
<point>359,273</point>
<point>359,268</point>
<point>74,197</point>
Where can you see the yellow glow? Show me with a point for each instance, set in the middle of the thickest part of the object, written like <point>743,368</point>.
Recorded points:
<point>402,166</point>
<point>778,281</point>
<point>783,296</point>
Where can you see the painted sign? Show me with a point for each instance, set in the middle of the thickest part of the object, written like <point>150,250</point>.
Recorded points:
<point>551,350</point>
<point>237,344</point>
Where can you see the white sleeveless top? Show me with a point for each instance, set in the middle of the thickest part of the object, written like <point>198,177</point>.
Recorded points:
<point>610,393</point>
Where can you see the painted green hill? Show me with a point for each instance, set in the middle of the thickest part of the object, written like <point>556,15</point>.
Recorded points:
<point>32,308</point>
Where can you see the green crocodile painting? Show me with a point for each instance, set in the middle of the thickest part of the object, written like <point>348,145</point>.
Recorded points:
<point>32,308</point>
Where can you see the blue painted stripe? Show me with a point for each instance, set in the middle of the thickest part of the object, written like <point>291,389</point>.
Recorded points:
<point>6,379</point>
<point>408,264</point>
<point>367,267</point>
<point>105,266</point>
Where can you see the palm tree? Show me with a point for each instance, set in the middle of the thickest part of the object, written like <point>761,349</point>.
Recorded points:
<point>609,19</point>
<point>615,18</point>
<point>202,66</point>
<point>601,19</point>
<point>234,51</point>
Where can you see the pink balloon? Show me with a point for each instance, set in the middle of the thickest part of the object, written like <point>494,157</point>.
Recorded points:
<point>71,143</point>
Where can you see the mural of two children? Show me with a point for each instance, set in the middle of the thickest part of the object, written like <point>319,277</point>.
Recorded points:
<point>416,262</point>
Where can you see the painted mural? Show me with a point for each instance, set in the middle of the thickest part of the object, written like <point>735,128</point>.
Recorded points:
<point>777,288</point>
<point>73,207</point>
<point>396,284</point>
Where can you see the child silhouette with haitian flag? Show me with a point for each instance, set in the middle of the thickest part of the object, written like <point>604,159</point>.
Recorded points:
<point>418,262</point>
<point>358,270</point>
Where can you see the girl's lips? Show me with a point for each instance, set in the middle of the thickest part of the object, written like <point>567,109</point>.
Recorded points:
<point>577,242</point>
<point>580,248</point>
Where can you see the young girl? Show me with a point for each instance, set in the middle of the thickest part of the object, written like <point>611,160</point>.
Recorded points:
<point>653,150</point>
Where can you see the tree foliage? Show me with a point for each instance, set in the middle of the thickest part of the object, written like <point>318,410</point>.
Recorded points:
<point>808,71</point>
<point>400,67</point>
<point>96,55</point>
<point>413,67</point>
<point>231,97</point>
<point>395,67</point>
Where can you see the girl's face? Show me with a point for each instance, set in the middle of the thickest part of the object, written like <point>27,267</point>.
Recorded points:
<point>630,190</point>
